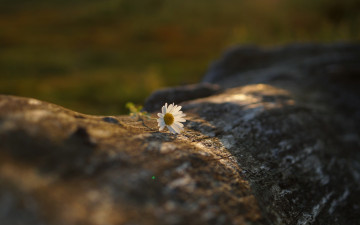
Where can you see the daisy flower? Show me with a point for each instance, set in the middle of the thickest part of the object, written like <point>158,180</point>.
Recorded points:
<point>171,117</point>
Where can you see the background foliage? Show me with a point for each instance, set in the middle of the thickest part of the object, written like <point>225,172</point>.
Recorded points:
<point>94,56</point>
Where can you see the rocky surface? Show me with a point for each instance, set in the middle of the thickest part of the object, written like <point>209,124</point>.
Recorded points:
<point>180,94</point>
<point>62,167</point>
<point>276,143</point>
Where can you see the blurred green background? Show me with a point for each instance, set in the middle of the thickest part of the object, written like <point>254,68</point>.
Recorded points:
<point>94,56</point>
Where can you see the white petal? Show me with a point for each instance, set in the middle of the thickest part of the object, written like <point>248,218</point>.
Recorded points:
<point>179,124</point>
<point>175,109</point>
<point>178,113</point>
<point>167,107</point>
<point>160,115</point>
<point>161,128</point>
<point>177,119</point>
<point>181,118</point>
<point>162,123</point>
<point>183,114</point>
<point>172,130</point>
<point>163,109</point>
<point>178,107</point>
<point>177,128</point>
<point>174,112</point>
<point>171,106</point>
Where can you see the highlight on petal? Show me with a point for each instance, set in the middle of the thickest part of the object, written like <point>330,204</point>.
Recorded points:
<point>177,109</point>
<point>180,120</point>
<point>170,108</point>
<point>179,124</point>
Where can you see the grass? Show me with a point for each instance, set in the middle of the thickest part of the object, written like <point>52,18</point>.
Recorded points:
<point>94,56</point>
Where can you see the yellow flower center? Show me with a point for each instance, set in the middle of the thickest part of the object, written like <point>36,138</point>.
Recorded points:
<point>168,119</point>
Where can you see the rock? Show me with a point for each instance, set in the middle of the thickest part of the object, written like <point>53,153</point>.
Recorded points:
<point>283,63</point>
<point>179,94</point>
<point>62,167</point>
<point>300,167</point>
<point>272,145</point>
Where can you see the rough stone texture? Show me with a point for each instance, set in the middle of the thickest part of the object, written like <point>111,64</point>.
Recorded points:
<point>62,167</point>
<point>179,94</point>
<point>278,145</point>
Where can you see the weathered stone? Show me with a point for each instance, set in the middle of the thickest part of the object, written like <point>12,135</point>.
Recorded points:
<point>277,145</point>
<point>300,168</point>
<point>179,94</point>
<point>62,167</point>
